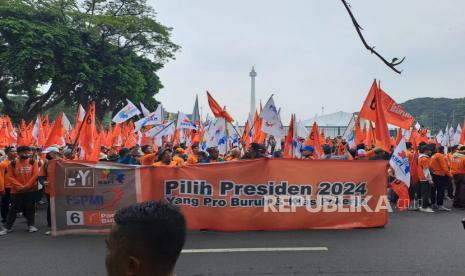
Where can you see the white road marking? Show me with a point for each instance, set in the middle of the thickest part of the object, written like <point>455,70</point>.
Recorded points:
<point>271,249</point>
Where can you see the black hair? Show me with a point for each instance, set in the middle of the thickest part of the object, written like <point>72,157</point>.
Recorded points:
<point>422,144</point>
<point>423,148</point>
<point>162,152</point>
<point>441,149</point>
<point>144,148</point>
<point>360,146</point>
<point>23,149</point>
<point>9,149</point>
<point>326,149</point>
<point>408,145</point>
<point>153,230</point>
<point>122,152</point>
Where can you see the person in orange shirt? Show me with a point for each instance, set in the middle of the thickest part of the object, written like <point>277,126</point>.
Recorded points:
<point>46,172</point>
<point>457,166</point>
<point>165,159</point>
<point>194,158</point>
<point>22,174</point>
<point>149,155</point>
<point>178,157</point>
<point>6,197</point>
<point>426,181</point>
<point>234,154</point>
<point>441,175</point>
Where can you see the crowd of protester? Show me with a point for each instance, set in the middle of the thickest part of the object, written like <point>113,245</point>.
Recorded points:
<point>24,171</point>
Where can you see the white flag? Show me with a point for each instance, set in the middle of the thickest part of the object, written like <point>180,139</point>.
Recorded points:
<point>271,123</point>
<point>82,113</point>
<point>440,137</point>
<point>66,123</point>
<point>129,111</point>
<point>35,130</point>
<point>400,163</point>
<point>155,118</point>
<point>215,136</point>
<point>301,131</point>
<point>161,130</point>
<point>457,135</point>
<point>183,122</point>
<point>349,131</point>
<point>145,111</point>
<point>445,138</point>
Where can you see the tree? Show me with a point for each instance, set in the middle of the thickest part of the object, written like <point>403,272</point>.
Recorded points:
<point>54,51</point>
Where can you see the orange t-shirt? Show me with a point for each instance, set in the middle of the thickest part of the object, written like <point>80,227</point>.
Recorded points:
<point>457,165</point>
<point>161,164</point>
<point>439,165</point>
<point>178,161</point>
<point>3,181</point>
<point>192,159</point>
<point>148,159</point>
<point>23,177</point>
<point>423,164</point>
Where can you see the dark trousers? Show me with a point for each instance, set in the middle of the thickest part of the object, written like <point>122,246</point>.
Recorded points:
<point>18,202</point>
<point>459,197</point>
<point>438,189</point>
<point>425,192</point>
<point>5,205</point>
<point>49,220</point>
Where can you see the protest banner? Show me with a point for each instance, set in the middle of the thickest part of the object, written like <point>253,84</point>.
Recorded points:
<point>263,194</point>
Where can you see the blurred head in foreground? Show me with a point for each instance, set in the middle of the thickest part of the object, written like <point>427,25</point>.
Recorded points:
<point>146,239</point>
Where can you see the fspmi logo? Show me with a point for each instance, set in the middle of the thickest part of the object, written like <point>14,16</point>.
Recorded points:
<point>79,178</point>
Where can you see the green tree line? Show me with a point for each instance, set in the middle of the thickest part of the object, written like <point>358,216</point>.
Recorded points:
<point>69,52</point>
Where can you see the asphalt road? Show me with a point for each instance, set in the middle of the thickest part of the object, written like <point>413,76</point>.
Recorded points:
<point>412,243</point>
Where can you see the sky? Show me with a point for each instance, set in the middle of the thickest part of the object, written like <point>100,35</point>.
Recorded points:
<point>307,53</point>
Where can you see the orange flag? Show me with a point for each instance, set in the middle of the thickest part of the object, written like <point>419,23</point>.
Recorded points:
<point>289,143</point>
<point>399,136</point>
<point>131,138</point>
<point>46,125</point>
<point>401,190</point>
<point>24,137</point>
<point>381,131</point>
<point>95,154</point>
<point>257,129</point>
<point>394,113</point>
<point>314,140</point>
<point>57,132</point>
<point>246,135</point>
<point>368,136</point>
<point>87,133</point>
<point>217,110</point>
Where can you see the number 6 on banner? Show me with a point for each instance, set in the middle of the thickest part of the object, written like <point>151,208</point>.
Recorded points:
<point>74,218</point>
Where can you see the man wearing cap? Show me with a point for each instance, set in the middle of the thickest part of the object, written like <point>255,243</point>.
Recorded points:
<point>165,159</point>
<point>46,172</point>
<point>213,155</point>
<point>6,197</point>
<point>307,152</point>
<point>22,174</point>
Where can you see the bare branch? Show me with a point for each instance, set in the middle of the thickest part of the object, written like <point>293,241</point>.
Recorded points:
<point>358,28</point>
